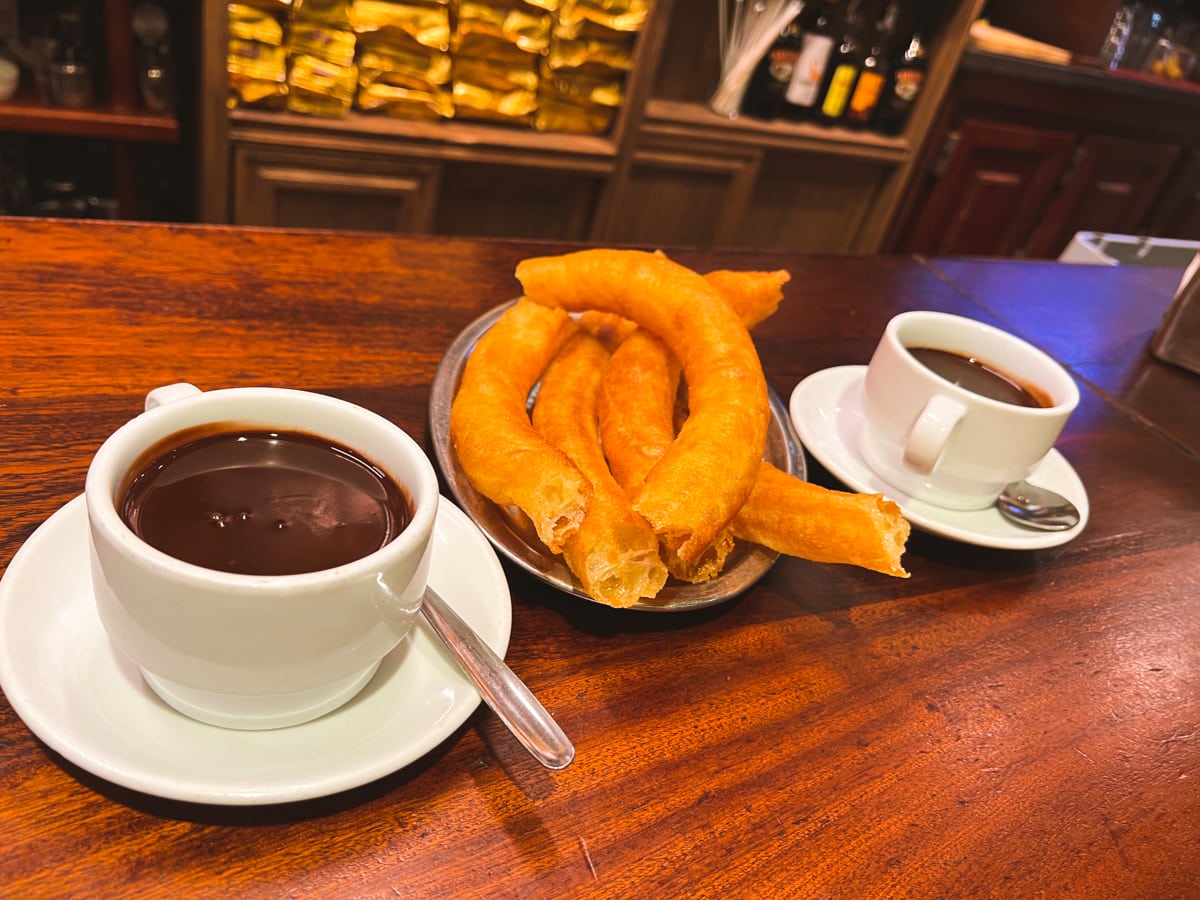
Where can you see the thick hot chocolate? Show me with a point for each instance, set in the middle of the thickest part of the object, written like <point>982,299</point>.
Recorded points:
<point>261,502</point>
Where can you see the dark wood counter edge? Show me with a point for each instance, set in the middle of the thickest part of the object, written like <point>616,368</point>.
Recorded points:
<point>1081,76</point>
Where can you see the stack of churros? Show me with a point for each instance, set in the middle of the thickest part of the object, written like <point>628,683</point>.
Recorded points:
<point>642,459</point>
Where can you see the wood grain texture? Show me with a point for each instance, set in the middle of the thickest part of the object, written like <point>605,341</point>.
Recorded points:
<point>1001,724</point>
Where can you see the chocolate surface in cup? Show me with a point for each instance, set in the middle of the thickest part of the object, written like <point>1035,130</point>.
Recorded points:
<point>976,376</point>
<point>258,502</point>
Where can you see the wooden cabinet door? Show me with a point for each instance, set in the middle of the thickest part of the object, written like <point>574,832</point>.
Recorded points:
<point>481,200</point>
<point>1177,213</point>
<point>294,188</point>
<point>1112,188</point>
<point>995,184</point>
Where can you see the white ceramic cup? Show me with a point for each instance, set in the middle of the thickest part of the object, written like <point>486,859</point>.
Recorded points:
<point>941,443</point>
<point>257,651</point>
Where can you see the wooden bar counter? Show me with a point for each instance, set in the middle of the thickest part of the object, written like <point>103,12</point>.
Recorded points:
<point>1004,723</point>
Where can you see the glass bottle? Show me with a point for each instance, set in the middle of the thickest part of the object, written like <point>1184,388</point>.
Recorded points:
<point>764,95</point>
<point>844,66</point>
<point>908,76</point>
<point>70,73</point>
<point>876,67</point>
<point>808,72</point>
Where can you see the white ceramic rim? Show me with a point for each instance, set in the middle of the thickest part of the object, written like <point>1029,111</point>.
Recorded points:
<point>106,473</point>
<point>1066,390</point>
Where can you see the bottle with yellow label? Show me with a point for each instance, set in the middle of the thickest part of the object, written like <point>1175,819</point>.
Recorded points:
<point>844,67</point>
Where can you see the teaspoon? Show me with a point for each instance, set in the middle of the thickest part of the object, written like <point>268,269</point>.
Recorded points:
<point>508,696</point>
<point>1037,507</point>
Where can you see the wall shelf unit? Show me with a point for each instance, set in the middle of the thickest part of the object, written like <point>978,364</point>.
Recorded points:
<point>671,172</point>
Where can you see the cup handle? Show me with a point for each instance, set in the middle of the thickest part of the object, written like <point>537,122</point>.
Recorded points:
<point>929,435</point>
<point>169,393</point>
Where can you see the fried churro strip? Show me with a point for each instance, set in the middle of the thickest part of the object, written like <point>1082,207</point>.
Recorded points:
<point>614,554</point>
<point>636,407</point>
<point>637,444</point>
<point>705,476</point>
<point>753,295</point>
<point>797,518</point>
<point>784,513</point>
<point>637,419</point>
<point>504,458</point>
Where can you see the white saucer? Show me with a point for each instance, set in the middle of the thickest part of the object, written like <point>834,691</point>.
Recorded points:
<point>825,410</point>
<point>82,697</point>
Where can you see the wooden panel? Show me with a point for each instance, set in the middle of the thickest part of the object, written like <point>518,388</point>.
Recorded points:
<point>499,201</point>
<point>1112,189</point>
<point>996,183</point>
<point>671,197</point>
<point>812,203</point>
<point>1177,214</point>
<point>305,189</point>
<point>690,65</point>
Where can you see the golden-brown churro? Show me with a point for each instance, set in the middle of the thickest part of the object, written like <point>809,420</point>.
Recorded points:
<point>614,554</point>
<point>504,458</point>
<point>796,518</point>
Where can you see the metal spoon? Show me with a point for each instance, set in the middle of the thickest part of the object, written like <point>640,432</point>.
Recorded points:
<point>1037,507</point>
<point>499,686</point>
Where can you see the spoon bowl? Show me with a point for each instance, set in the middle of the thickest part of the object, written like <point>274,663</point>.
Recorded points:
<point>1039,508</point>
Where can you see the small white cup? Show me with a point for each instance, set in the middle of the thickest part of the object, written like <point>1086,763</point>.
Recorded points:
<point>941,443</point>
<point>257,651</point>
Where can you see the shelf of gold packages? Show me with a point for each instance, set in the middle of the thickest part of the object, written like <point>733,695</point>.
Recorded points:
<point>554,65</point>
<point>404,63</point>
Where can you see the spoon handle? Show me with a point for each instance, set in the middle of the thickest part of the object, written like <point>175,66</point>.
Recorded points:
<point>499,686</point>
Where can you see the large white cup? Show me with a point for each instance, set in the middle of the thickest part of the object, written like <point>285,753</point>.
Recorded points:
<point>257,651</point>
<point>941,443</point>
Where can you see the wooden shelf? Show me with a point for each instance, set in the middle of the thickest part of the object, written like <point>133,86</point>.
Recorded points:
<point>666,115</point>
<point>671,172</point>
<point>453,133</point>
<point>30,116</point>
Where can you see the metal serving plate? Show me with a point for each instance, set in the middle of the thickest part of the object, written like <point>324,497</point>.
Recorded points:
<point>513,535</point>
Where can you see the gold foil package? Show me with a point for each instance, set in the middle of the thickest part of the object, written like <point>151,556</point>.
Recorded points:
<point>334,13</point>
<point>590,55</point>
<point>251,59</point>
<point>484,30</point>
<point>257,73</point>
<point>512,107</point>
<point>279,8</point>
<point>404,63</point>
<point>318,87</point>
<point>496,75</point>
<point>426,25</point>
<point>333,45</point>
<point>627,16</point>
<point>570,87</point>
<point>553,115</point>
<point>247,23</point>
<point>405,102</point>
<point>412,68</point>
